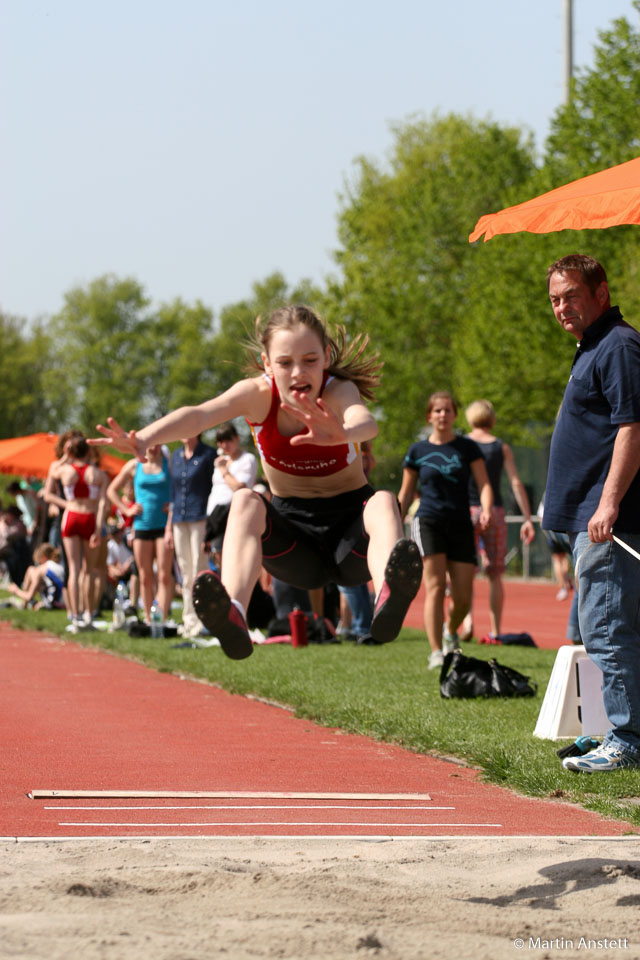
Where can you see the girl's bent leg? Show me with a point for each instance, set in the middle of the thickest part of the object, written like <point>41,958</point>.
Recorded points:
<point>242,545</point>
<point>394,563</point>
<point>383,526</point>
<point>216,601</point>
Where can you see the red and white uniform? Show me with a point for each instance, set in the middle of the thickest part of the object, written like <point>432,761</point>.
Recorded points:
<point>306,460</point>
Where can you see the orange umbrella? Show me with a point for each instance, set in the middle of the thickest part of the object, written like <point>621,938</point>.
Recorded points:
<point>605,199</point>
<point>32,456</point>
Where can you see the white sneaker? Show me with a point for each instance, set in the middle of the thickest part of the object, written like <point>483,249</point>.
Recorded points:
<point>436,659</point>
<point>606,757</point>
<point>450,641</point>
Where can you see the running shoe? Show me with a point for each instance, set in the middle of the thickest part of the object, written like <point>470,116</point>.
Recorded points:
<point>220,616</point>
<point>606,757</point>
<point>402,576</point>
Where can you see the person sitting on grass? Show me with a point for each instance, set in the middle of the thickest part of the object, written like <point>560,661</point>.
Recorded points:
<point>45,576</point>
<point>324,523</point>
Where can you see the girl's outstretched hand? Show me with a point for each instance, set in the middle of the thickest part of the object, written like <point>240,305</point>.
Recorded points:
<point>122,440</point>
<point>323,426</point>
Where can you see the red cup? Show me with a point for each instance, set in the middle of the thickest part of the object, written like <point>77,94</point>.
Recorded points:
<point>298,627</point>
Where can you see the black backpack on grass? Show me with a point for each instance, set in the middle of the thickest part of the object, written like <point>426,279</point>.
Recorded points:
<point>467,677</point>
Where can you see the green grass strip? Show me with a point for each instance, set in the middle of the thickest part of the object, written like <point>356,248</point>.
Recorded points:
<point>387,693</point>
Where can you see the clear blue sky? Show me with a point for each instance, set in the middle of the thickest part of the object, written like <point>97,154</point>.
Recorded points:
<point>198,145</point>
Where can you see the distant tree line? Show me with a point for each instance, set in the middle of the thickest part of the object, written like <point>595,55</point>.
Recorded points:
<point>443,313</point>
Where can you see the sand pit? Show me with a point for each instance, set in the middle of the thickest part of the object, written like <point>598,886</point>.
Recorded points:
<point>314,898</point>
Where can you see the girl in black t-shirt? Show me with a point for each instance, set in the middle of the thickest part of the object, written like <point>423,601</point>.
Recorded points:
<point>442,528</point>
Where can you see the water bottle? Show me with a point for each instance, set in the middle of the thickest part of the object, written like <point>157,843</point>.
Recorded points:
<point>119,606</point>
<point>157,627</point>
<point>298,627</point>
<point>117,622</point>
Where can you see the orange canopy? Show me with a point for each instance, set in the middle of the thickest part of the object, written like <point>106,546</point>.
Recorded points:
<point>32,456</point>
<point>604,199</point>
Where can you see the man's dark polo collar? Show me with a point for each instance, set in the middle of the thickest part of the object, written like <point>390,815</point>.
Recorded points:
<point>600,326</point>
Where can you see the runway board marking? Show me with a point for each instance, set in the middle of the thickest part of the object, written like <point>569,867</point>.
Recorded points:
<point>272,823</point>
<point>217,795</point>
<point>252,806</point>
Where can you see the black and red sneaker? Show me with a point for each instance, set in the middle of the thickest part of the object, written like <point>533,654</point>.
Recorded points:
<point>220,616</point>
<point>402,576</point>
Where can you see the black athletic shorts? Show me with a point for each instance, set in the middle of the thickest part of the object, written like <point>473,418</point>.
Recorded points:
<point>456,541</point>
<point>156,534</point>
<point>309,542</point>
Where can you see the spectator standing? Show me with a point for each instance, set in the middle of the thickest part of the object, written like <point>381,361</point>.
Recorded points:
<point>442,465</point>
<point>152,493</point>
<point>192,468</point>
<point>593,493</point>
<point>234,469</point>
<point>14,546</point>
<point>85,508</point>
<point>498,456</point>
<point>30,506</point>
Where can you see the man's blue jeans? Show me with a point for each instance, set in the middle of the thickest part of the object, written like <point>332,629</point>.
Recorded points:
<point>608,582</point>
<point>360,605</point>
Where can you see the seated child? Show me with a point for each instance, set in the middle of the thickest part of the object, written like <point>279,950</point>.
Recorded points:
<point>45,577</point>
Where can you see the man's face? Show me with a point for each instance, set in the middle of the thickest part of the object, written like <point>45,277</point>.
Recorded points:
<point>574,305</point>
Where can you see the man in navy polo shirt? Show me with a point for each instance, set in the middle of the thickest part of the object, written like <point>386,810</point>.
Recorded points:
<point>593,493</point>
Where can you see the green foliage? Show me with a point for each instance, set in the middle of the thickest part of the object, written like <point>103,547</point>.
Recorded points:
<point>185,367</point>
<point>405,258</point>
<point>27,406</point>
<point>103,353</point>
<point>509,347</point>
<point>598,127</point>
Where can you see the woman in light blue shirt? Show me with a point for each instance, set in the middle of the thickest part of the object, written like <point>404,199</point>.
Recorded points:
<point>152,491</point>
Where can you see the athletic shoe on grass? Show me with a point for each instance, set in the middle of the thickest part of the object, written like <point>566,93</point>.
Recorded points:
<point>402,576</point>
<point>606,757</point>
<point>220,616</point>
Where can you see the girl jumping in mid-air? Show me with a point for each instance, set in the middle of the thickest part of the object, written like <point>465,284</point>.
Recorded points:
<point>324,522</point>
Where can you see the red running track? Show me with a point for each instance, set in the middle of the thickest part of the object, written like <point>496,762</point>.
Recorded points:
<point>79,719</point>
<point>530,606</point>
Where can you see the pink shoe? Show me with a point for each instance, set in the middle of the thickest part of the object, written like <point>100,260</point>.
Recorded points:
<point>220,616</point>
<point>402,576</point>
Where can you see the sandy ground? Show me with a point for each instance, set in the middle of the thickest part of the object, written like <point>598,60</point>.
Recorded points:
<point>302,898</point>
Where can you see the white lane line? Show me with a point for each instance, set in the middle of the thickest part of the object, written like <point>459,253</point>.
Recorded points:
<point>252,806</point>
<point>269,823</point>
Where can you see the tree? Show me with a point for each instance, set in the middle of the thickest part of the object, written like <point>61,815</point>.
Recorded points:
<point>598,127</point>
<point>103,353</point>
<point>185,368</point>
<point>405,257</point>
<point>509,348</point>
<point>25,356</point>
